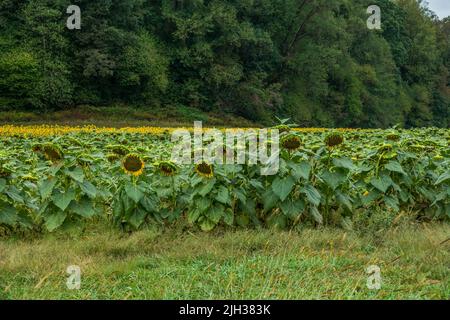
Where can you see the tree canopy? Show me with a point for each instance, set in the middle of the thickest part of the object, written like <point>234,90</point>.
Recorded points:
<point>315,61</point>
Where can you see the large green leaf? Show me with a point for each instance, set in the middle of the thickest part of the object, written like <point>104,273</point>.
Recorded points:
<point>223,195</point>
<point>8,214</point>
<point>312,194</point>
<point>442,178</point>
<point>278,221</point>
<point>206,188</point>
<point>282,187</point>
<point>46,187</point>
<point>206,224</point>
<point>344,199</point>
<point>292,208</point>
<point>228,217</point>
<point>89,189</point>
<point>269,200</point>
<point>302,170</point>
<point>55,220</point>
<point>14,194</point>
<point>382,183</point>
<point>149,203</point>
<point>316,215</point>
<point>84,207</point>
<point>203,203</point>
<point>395,167</point>
<point>372,196</point>
<point>344,162</point>
<point>77,174</point>
<point>215,213</point>
<point>134,192</point>
<point>333,179</point>
<point>242,220</point>
<point>137,218</point>
<point>193,215</point>
<point>392,202</point>
<point>63,199</point>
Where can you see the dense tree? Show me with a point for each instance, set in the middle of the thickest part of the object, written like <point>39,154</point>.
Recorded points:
<point>314,61</point>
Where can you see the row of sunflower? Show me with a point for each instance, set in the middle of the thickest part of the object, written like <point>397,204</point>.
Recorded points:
<point>54,130</point>
<point>57,181</point>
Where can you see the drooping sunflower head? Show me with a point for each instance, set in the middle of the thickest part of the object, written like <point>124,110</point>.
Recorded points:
<point>282,128</point>
<point>393,136</point>
<point>84,160</point>
<point>334,139</point>
<point>52,152</point>
<point>37,147</point>
<point>168,168</point>
<point>132,164</point>
<point>112,157</point>
<point>119,150</point>
<point>291,142</point>
<point>4,171</point>
<point>204,169</point>
<point>385,147</point>
<point>74,141</point>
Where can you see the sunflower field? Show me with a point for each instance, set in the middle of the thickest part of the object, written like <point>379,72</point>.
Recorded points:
<point>56,177</point>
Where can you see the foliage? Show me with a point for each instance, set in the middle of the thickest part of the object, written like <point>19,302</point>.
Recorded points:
<point>313,61</point>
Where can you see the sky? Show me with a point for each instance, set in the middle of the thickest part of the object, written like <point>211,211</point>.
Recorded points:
<point>440,7</point>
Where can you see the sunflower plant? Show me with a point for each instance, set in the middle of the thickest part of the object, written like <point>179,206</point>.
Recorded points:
<point>16,209</point>
<point>135,201</point>
<point>210,198</point>
<point>67,197</point>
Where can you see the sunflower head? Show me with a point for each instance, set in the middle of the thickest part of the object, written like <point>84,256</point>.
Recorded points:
<point>385,148</point>
<point>4,172</point>
<point>37,147</point>
<point>204,169</point>
<point>84,160</point>
<point>52,152</point>
<point>132,164</point>
<point>119,150</point>
<point>334,139</point>
<point>393,136</point>
<point>112,157</point>
<point>168,168</point>
<point>74,141</point>
<point>282,128</point>
<point>291,142</point>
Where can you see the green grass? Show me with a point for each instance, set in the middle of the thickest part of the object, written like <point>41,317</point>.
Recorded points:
<point>126,116</point>
<point>308,264</point>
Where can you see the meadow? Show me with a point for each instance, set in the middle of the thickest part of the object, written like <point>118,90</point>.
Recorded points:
<point>325,263</point>
<point>111,201</point>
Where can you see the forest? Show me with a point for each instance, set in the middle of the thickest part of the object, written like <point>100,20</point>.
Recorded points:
<point>315,62</point>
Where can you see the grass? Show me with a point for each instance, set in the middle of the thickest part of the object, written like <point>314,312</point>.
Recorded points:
<point>307,264</point>
<point>126,116</point>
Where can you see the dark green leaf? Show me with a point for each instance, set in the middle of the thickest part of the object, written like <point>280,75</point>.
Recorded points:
<point>312,194</point>
<point>282,187</point>
<point>395,167</point>
<point>55,220</point>
<point>46,187</point>
<point>133,191</point>
<point>62,200</point>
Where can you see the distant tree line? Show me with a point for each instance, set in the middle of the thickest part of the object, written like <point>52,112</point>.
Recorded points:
<point>312,60</point>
